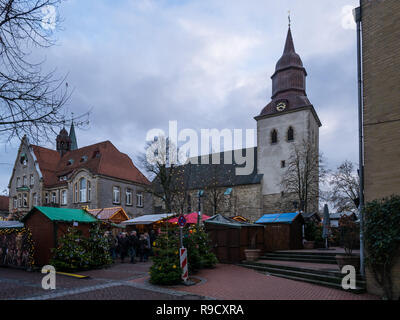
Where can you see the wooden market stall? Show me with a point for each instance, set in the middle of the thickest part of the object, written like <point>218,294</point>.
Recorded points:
<point>111,218</point>
<point>48,224</point>
<point>147,223</point>
<point>283,231</point>
<point>230,238</point>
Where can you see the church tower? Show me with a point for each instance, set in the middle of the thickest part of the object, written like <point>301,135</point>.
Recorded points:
<point>288,119</point>
<point>63,142</point>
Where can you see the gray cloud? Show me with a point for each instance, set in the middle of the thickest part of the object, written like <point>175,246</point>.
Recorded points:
<point>207,64</point>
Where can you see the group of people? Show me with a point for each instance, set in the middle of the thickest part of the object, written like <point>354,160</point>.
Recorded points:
<point>130,244</point>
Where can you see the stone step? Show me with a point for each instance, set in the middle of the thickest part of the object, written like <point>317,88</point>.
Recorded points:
<point>300,256</point>
<point>331,272</point>
<point>310,277</point>
<point>299,259</point>
<point>308,253</point>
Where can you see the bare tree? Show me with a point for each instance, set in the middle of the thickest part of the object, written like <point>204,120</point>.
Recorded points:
<point>31,101</point>
<point>214,190</point>
<point>345,188</point>
<point>304,172</point>
<point>156,161</point>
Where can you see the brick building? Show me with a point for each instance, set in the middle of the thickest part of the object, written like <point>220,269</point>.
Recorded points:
<point>381,78</point>
<point>95,176</point>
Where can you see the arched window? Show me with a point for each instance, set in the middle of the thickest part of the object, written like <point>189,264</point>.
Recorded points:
<point>82,190</point>
<point>290,134</point>
<point>274,136</point>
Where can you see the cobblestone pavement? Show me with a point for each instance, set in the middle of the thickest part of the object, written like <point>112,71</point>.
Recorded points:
<point>114,283</point>
<point>229,282</point>
<point>130,282</point>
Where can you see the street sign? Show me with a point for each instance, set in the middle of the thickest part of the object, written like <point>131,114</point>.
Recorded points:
<point>181,221</point>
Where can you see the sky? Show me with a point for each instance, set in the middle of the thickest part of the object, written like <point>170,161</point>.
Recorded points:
<point>137,64</point>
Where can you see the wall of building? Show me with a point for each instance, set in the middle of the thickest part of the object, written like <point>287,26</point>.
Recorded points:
<point>20,170</point>
<point>381,68</point>
<point>270,155</point>
<point>105,196</point>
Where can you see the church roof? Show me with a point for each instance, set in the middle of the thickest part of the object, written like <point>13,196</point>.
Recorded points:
<point>288,83</point>
<point>102,158</point>
<point>289,58</point>
<point>200,176</point>
<point>72,136</point>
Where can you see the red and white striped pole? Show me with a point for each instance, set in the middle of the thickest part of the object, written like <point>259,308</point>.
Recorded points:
<point>184,264</point>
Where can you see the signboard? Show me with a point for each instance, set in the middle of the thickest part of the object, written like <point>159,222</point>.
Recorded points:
<point>181,221</point>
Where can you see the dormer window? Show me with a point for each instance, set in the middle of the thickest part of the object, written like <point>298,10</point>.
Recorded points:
<point>84,159</point>
<point>70,162</point>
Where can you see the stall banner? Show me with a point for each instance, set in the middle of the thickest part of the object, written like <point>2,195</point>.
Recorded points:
<point>16,248</point>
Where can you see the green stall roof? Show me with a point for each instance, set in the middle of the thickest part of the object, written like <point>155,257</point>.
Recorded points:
<point>64,214</point>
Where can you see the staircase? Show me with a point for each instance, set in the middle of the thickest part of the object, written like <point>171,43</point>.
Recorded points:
<point>306,267</point>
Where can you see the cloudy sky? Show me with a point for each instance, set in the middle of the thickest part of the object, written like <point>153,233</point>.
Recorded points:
<point>205,63</point>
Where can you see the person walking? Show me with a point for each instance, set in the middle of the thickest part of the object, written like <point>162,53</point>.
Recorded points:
<point>133,244</point>
<point>147,247</point>
<point>112,242</point>
<point>123,246</point>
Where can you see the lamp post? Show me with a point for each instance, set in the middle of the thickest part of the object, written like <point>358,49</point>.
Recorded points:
<point>199,195</point>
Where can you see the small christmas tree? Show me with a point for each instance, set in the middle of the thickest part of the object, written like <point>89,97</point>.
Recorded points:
<point>166,268</point>
<point>71,253</point>
<point>75,252</point>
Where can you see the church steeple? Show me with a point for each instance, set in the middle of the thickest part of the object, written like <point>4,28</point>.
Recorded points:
<point>290,75</point>
<point>288,81</point>
<point>72,136</point>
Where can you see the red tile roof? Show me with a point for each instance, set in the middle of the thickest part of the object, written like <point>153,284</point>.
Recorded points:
<point>106,213</point>
<point>102,158</point>
<point>4,201</point>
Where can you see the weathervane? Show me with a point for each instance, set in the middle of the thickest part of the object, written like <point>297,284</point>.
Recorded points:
<point>290,21</point>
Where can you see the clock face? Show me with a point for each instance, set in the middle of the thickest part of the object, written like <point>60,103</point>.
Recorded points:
<point>281,106</point>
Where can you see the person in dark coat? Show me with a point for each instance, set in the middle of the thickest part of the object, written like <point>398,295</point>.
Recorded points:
<point>144,247</point>
<point>123,246</point>
<point>133,245</point>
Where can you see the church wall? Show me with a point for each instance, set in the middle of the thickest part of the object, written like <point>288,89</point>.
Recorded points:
<point>271,155</point>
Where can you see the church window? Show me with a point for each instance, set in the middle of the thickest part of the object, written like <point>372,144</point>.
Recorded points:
<point>290,134</point>
<point>46,198</point>
<point>25,181</point>
<point>274,136</point>
<point>283,164</point>
<point>18,182</point>
<point>15,203</point>
<point>32,182</point>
